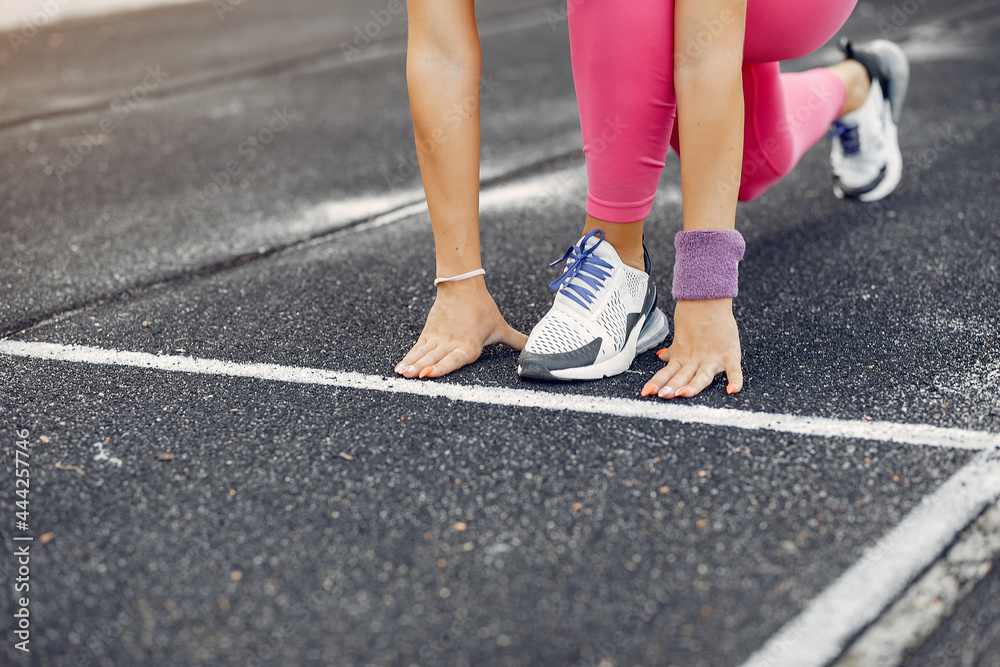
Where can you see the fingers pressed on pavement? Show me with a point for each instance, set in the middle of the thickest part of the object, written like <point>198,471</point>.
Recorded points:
<point>679,379</point>
<point>416,352</point>
<point>702,379</point>
<point>448,363</point>
<point>660,379</point>
<point>429,359</point>
<point>671,369</point>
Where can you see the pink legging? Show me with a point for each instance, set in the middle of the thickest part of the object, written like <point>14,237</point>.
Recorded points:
<point>623,63</point>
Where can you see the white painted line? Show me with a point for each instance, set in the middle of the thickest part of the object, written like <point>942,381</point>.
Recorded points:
<point>417,208</point>
<point>908,434</point>
<point>388,209</point>
<point>18,13</point>
<point>337,213</point>
<point>858,596</point>
<point>908,623</point>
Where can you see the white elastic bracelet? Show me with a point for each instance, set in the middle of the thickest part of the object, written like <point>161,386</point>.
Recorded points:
<point>464,276</point>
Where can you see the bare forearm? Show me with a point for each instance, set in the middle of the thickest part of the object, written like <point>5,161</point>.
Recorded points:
<point>443,69</point>
<point>707,78</point>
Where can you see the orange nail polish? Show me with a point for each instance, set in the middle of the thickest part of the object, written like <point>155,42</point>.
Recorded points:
<point>661,351</point>
<point>649,389</point>
<point>426,371</point>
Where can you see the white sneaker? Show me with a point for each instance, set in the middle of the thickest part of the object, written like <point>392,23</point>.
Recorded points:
<point>604,314</point>
<point>867,164</point>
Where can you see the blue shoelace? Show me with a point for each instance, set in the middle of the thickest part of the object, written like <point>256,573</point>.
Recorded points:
<point>848,135</point>
<point>584,271</point>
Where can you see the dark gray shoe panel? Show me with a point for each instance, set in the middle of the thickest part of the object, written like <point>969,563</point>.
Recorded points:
<point>630,321</point>
<point>648,307</point>
<point>649,304</point>
<point>535,366</point>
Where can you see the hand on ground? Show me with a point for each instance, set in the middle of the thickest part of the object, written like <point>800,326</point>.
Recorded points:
<point>463,320</point>
<point>706,343</point>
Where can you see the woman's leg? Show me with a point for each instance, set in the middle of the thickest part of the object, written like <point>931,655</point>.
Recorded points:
<point>786,114</point>
<point>709,36</point>
<point>623,70</point>
<point>783,116</point>
<point>443,69</point>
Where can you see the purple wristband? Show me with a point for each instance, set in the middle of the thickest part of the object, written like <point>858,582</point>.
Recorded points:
<point>707,264</point>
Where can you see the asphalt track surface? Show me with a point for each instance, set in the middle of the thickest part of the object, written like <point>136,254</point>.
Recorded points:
<point>313,510</point>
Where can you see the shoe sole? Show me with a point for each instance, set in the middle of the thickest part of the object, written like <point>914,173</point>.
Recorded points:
<point>651,333</point>
<point>654,331</point>
<point>647,333</point>
<point>615,365</point>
